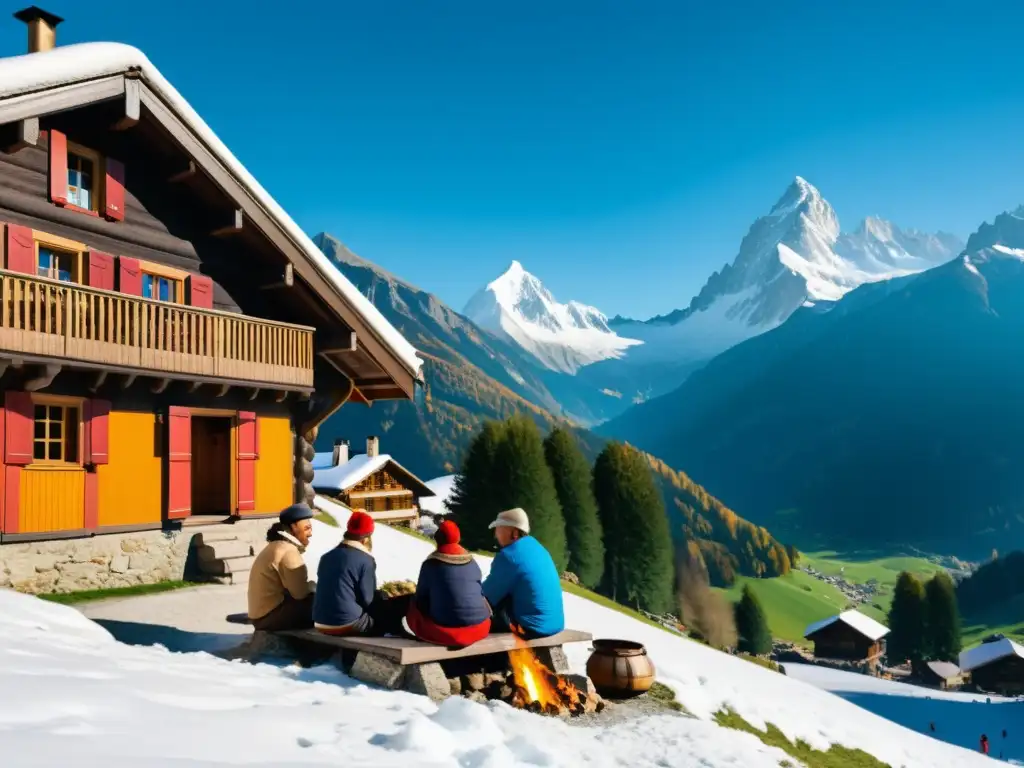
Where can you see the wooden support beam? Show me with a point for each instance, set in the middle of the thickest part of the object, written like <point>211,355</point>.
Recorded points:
<point>287,280</point>
<point>280,397</point>
<point>193,386</point>
<point>44,378</point>
<point>98,381</point>
<point>339,343</point>
<point>223,390</point>
<point>19,134</point>
<point>184,175</point>
<point>234,228</point>
<point>132,105</point>
<point>254,393</point>
<point>128,380</point>
<point>160,386</point>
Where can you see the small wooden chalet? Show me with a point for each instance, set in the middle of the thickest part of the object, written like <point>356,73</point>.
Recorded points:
<point>850,636</point>
<point>169,338</point>
<point>943,675</point>
<point>996,667</point>
<point>373,481</point>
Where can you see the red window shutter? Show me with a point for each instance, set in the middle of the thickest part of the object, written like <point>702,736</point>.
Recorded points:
<point>114,190</point>
<point>200,291</point>
<point>129,276</point>
<point>19,428</point>
<point>21,249</point>
<point>97,431</point>
<point>101,270</point>
<point>179,463</point>
<point>248,439</point>
<point>58,144</point>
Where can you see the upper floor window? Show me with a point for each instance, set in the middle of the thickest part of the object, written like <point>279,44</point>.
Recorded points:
<point>55,439</point>
<point>58,265</point>
<point>83,189</point>
<point>81,179</point>
<point>158,287</point>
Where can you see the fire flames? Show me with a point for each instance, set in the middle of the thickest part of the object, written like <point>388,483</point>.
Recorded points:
<point>540,690</point>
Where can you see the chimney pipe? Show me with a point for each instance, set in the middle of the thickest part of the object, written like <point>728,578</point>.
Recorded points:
<point>42,28</point>
<point>372,446</point>
<point>340,452</point>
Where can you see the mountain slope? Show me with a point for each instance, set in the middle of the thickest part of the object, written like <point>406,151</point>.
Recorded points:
<point>469,377</point>
<point>563,337</point>
<point>893,414</point>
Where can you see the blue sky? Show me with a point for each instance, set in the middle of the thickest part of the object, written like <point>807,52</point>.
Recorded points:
<point>619,150</point>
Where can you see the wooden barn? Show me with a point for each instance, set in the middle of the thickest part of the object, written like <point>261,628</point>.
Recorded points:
<point>169,338</point>
<point>996,667</point>
<point>373,481</point>
<point>850,636</point>
<point>943,675</point>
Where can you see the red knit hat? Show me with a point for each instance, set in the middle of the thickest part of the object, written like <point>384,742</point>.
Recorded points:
<point>360,524</point>
<point>447,538</point>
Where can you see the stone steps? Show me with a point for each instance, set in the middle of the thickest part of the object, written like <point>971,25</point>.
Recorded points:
<point>222,556</point>
<point>223,549</point>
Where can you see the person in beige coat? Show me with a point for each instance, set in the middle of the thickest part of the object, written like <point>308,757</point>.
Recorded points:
<point>280,592</point>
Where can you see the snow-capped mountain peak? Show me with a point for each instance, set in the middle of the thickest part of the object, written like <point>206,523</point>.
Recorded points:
<point>562,337</point>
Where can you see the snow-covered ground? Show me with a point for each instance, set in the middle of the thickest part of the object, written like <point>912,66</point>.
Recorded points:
<point>70,692</point>
<point>959,718</point>
<point>442,488</point>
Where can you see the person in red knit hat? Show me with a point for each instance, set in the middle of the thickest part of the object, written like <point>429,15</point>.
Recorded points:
<point>449,607</point>
<point>347,600</point>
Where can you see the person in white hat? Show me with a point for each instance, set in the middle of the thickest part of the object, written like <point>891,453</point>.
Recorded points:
<point>523,587</point>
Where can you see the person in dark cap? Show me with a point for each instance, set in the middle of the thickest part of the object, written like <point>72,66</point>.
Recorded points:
<point>348,601</point>
<point>449,608</point>
<point>280,592</point>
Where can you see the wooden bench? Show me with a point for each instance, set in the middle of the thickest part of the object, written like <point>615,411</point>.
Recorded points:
<point>399,662</point>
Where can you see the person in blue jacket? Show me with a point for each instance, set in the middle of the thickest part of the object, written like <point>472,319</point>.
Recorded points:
<point>523,587</point>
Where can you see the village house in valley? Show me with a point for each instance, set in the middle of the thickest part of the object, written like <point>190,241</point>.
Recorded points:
<point>372,481</point>
<point>996,666</point>
<point>169,338</point>
<point>849,636</point>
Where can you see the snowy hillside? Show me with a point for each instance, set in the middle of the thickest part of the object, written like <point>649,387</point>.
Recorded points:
<point>562,337</point>
<point>792,257</point>
<point>69,693</point>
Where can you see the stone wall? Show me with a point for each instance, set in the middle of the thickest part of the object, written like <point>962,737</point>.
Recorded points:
<point>113,560</point>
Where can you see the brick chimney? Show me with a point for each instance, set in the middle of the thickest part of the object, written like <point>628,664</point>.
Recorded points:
<point>372,446</point>
<point>340,452</point>
<point>42,28</point>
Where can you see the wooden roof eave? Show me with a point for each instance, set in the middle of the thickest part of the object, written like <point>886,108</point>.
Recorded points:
<point>136,93</point>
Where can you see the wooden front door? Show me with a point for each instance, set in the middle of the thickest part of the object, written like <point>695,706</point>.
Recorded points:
<point>211,465</point>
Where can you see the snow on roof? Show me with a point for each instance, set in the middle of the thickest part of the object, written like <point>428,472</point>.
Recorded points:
<point>346,475</point>
<point>323,460</point>
<point>986,653</point>
<point>86,61</point>
<point>944,669</point>
<point>856,620</point>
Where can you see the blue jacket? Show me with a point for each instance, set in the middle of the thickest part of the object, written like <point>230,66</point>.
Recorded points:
<point>346,581</point>
<point>524,573</point>
<point>448,591</point>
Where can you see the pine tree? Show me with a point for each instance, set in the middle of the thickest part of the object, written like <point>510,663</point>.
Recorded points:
<point>473,504</point>
<point>752,625</point>
<point>638,545</point>
<point>943,618</point>
<point>906,638</point>
<point>522,478</point>
<point>573,484</point>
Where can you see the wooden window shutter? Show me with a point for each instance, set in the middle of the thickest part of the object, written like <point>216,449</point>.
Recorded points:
<point>97,432</point>
<point>129,276</point>
<point>21,249</point>
<point>18,428</point>
<point>248,451</point>
<point>179,463</point>
<point>113,190</point>
<point>58,167</point>
<point>101,270</point>
<point>200,291</point>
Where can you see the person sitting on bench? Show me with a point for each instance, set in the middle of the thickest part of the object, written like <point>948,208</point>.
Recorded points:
<point>449,607</point>
<point>280,594</point>
<point>523,587</point>
<point>347,599</point>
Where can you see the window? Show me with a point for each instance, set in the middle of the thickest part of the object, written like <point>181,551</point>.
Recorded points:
<point>59,265</point>
<point>159,287</point>
<point>83,189</point>
<point>55,439</point>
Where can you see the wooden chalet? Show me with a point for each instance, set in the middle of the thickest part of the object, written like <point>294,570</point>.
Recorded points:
<point>996,667</point>
<point>943,675</point>
<point>169,338</point>
<point>372,481</point>
<point>849,636</point>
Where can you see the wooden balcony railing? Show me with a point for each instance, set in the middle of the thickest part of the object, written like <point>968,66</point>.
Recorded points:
<point>40,316</point>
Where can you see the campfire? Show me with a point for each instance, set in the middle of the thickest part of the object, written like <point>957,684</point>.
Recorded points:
<point>532,686</point>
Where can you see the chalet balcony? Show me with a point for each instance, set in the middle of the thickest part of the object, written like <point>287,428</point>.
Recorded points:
<point>45,318</point>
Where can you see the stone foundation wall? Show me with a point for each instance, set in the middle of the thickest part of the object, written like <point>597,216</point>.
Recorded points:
<point>113,560</point>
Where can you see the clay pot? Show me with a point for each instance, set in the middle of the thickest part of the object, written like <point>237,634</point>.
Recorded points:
<point>620,669</point>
